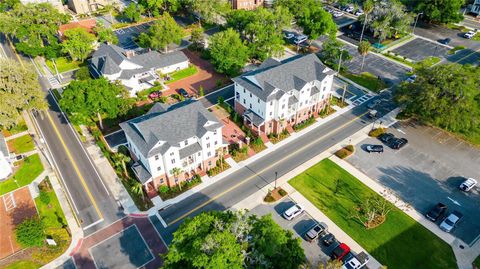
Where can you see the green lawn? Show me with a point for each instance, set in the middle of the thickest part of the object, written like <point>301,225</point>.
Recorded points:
<point>400,242</point>
<point>51,214</point>
<point>21,144</point>
<point>178,75</point>
<point>30,169</point>
<point>476,262</point>
<point>367,80</point>
<point>23,265</point>
<point>63,65</point>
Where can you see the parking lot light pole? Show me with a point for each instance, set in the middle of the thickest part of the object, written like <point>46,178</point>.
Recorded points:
<point>416,20</point>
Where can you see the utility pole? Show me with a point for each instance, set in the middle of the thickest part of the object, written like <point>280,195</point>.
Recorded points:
<point>344,90</point>
<point>276,175</point>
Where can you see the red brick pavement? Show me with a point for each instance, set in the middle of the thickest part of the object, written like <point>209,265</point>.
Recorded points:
<point>83,259</point>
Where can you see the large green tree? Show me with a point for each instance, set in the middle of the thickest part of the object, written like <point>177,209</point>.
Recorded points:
<point>78,43</point>
<point>157,7</point>
<point>388,18</point>
<point>447,96</point>
<point>334,54</point>
<point>233,240</point>
<point>134,12</point>
<point>163,32</point>
<point>86,99</point>
<point>262,29</point>
<point>209,11</point>
<point>229,53</point>
<point>445,11</point>
<point>105,34</point>
<point>316,22</point>
<point>35,27</point>
<point>19,91</point>
<point>6,5</point>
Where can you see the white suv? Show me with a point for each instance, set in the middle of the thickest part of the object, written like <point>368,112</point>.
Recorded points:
<point>293,211</point>
<point>469,34</point>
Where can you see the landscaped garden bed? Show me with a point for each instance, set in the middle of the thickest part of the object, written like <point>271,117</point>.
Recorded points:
<point>376,132</point>
<point>274,195</point>
<point>221,166</point>
<point>28,169</point>
<point>166,192</point>
<point>326,112</point>
<point>304,124</point>
<point>400,242</point>
<point>345,151</point>
<point>239,154</point>
<point>275,138</point>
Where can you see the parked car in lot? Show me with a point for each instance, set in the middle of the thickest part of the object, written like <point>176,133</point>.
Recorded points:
<point>470,34</point>
<point>358,261</point>
<point>349,9</point>
<point>340,251</point>
<point>183,92</point>
<point>314,232</point>
<point>468,184</point>
<point>436,212</point>
<point>300,39</point>
<point>289,35</point>
<point>445,41</point>
<point>329,240</point>
<point>374,148</point>
<point>411,79</point>
<point>398,143</point>
<point>337,14</point>
<point>359,12</point>
<point>386,137</point>
<point>451,221</point>
<point>293,211</point>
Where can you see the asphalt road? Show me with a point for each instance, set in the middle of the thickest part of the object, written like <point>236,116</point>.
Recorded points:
<point>249,179</point>
<point>93,205</point>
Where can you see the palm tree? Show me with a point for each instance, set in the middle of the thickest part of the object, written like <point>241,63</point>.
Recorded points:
<point>220,156</point>
<point>176,172</point>
<point>122,159</point>
<point>367,8</point>
<point>363,49</point>
<point>137,188</point>
<point>109,9</point>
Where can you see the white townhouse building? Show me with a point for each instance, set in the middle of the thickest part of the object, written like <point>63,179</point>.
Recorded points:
<point>184,135</point>
<point>279,94</point>
<point>135,72</point>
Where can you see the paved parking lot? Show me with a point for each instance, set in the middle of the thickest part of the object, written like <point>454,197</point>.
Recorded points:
<point>314,251</point>
<point>427,171</point>
<point>127,36</point>
<point>419,49</point>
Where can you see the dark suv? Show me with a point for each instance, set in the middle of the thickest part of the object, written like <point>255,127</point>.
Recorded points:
<point>183,92</point>
<point>437,212</point>
<point>398,143</point>
<point>374,148</point>
<point>386,137</point>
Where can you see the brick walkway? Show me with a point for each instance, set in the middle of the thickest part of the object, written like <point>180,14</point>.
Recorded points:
<point>84,260</point>
<point>206,77</point>
<point>14,208</point>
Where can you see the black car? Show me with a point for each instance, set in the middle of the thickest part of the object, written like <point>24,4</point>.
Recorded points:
<point>386,137</point>
<point>374,148</point>
<point>437,212</point>
<point>183,92</point>
<point>398,143</point>
<point>329,240</point>
<point>314,232</point>
<point>445,41</point>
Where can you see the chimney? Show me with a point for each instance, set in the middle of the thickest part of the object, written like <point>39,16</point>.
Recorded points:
<point>129,53</point>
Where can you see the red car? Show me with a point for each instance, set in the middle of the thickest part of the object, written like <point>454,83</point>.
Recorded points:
<point>340,251</point>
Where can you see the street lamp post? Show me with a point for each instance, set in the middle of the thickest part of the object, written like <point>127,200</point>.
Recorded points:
<point>416,20</point>
<point>276,175</point>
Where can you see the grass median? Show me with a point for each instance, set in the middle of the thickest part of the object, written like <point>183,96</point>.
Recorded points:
<point>400,242</point>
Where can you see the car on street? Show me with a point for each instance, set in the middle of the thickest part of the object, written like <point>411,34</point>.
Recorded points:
<point>299,39</point>
<point>386,137</point>
<point>436,212</point>
<point>340,251</point>
<point>373,103</point>
<point>289,35</point>
<point>469,34</point>
<point>468,184</point>
<point>183,92</point>
<point>359,12</point>
<point>374,148</point>
<point>293,212</point>
<point>337,14</point>
<point>445,41</point>
<point>451,221</point>
<point>351,261</point>
<point>329,239</point>
<point>398,143</point>
<point>372,113</point>
<point>314,232</point>
<point>411,79</point>
<point>349,9</point>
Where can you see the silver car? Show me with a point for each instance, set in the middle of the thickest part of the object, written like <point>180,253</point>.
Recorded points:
<point>451,221</point>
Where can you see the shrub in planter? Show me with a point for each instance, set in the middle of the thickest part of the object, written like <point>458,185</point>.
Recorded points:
<point>350,148</point>
<point>269,198</point>
<point>342,153</point>
<point>282,192</point>
<point>376,132</point>
<point>163,189</point>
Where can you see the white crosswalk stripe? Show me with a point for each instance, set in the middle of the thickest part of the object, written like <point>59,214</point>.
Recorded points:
<point>53,82</point>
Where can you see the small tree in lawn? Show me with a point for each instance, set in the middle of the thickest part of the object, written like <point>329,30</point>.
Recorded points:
<point>30,233</point>
<point>78,43</point>
<point>372,212</point>
<point>176,171</point>
<point>363,48</point>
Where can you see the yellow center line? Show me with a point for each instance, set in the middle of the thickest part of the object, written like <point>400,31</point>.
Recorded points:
<point>263,170</point>
<point>75,167</point>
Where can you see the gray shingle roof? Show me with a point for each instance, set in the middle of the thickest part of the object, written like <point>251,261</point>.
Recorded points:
<point>256,119</point>
<point>314,91</point>
<point>189,150</point>
<point>292,100</point>
<point>290,74</point>
<point>3,146</point>
<point>107,60</point>
<point>172,124</point>
<point>141,172</point>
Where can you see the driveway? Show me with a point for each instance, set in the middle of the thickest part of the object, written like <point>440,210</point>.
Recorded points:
<point>427,171</point>
<point>315,252</point>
